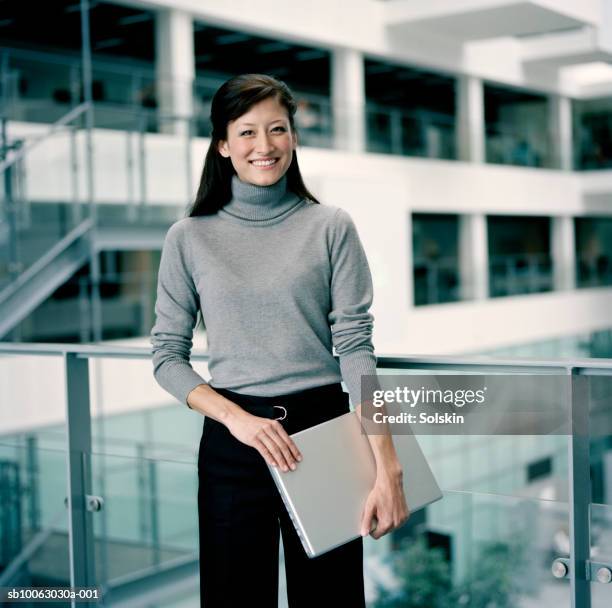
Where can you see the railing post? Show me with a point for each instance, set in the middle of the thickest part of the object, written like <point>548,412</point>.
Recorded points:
<point>33,472</point>
<point>579,478</point>
<point>154,511</point>
<point>78,419</point>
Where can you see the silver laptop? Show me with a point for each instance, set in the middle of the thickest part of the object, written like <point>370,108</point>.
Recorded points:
<point>326,494</point>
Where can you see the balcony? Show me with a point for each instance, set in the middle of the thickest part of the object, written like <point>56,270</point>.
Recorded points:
<point>514,503</point>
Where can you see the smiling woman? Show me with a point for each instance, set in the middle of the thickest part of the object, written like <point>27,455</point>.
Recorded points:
<point>281,281</point>
<point>253,123</point>
<point>260,143</point>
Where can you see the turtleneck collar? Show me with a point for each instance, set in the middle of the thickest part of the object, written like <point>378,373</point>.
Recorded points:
<point>259,204</point>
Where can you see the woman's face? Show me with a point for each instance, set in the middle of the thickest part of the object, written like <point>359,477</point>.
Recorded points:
<point>260,143</point>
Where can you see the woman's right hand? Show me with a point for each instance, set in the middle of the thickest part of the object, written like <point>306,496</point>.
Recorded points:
<point>268,437</point>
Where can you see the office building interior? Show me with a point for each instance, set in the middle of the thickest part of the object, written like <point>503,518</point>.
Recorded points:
<point>471,143</point>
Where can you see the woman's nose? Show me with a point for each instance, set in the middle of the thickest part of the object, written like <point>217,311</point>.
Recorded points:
<point>263,143</point>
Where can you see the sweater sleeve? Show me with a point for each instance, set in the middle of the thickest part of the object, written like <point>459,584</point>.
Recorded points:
<point>176,311</point>
<point>351,297</point>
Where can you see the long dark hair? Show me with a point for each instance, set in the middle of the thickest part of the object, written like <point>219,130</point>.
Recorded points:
<point>233,99</point>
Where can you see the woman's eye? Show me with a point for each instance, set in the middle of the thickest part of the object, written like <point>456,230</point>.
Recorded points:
<point>281,129</point>
<point>247,132</point>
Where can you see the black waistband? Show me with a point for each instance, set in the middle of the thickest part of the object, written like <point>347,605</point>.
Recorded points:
<point>319,396</point>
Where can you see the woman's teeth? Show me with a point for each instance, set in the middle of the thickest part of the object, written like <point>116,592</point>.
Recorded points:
<point>264,163</point>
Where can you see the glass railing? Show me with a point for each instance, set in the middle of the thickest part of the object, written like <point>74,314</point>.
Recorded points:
<point>477,550</point>
<point>148,523</point>
<point>436,281</point>
<point>36,86</point>
<point>511,503</point>
<point>601,553</point>
<point>34,543</point>
<point>593,142</point>
<point>594,270</point>
<point>600,418</point>
<point>41,87</point>
<point>33,230</point>
<point>520,274</point>
<point>421,133</point>
<point>509,144</point>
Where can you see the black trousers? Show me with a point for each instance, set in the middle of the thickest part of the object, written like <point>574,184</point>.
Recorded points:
<point>241,513</point>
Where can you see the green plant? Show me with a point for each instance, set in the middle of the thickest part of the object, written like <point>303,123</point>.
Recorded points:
<point>426,574</point>
<point>427,580</point>
<point>495,583</point>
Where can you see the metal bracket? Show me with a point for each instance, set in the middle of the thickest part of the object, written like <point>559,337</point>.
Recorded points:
<point>560,567</point>
<point>92,503</point>
<point>597,572</point>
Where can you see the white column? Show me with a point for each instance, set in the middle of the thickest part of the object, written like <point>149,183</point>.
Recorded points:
<point>470,119</point>
<point>175,67</point>
<point>563,247</point>
<point>560,127</point>
<point>348,99</point>
<point>473,257</point>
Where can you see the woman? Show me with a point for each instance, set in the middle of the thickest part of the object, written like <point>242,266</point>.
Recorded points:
<point>280,280</point>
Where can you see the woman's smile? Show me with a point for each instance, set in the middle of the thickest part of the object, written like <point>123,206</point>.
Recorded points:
<point>260,143</point>
<point>264,163</point>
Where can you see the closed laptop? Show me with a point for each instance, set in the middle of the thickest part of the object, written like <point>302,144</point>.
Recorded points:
<point>326,494</point>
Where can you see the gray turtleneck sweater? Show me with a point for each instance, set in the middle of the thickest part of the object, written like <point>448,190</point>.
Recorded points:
<point>279,281</point>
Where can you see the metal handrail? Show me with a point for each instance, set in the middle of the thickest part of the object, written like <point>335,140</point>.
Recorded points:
<point>35,141</point>
<point>59,247</point>
<point>456,362</point>
<point>79,442</point>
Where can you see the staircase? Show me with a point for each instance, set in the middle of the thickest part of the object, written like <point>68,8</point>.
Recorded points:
<point>41,246</point>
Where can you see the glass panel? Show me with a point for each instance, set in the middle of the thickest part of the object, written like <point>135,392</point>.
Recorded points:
<point>133,416</point>
<point>435,250</point>
<point>601,552</point>
<point>592,119</point>
<point>529,466</point>
<point>33,472</point>
<point>600,423</point>
<point>593,251</point>
<point>314,120</point>
<point>149,523</point>
<point>34,543</point>
<point>516,131</point>
<point>44,86</point>
<point>520,261</point>
<point>410,133</point>
<point>474,550</point>
<point>146,163</point>
<point>33,401</point>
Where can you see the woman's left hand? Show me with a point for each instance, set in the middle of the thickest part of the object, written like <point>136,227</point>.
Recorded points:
<point>386,505</point>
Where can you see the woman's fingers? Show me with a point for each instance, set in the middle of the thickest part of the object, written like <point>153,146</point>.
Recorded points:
<point>286,445</point>
<point>269,438</point>
<point>367,521</point>
<point>264,451</point>
<point>274,448</point>
<point>280,450</point>
<point>295,452</point>
<point>277,445</point>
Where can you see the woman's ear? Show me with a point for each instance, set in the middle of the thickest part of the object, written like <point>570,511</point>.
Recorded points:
<point>223,149</point>
<point>294,138</point>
